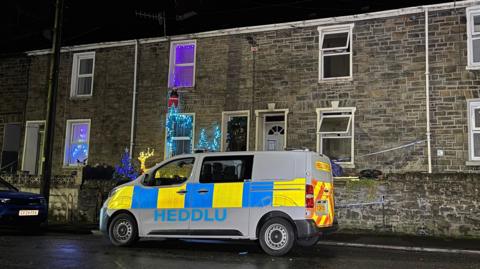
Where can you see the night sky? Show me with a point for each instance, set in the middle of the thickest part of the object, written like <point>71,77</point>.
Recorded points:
<point>26,25</point>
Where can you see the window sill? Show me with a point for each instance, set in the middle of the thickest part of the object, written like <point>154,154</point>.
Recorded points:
<point>472,67</point>
<point>335,80</point>
<point>84,97</point>
<point>472,163</point>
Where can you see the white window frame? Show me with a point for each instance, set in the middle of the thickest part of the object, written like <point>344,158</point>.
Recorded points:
<point>472,104</point>
<point>28,122</point>
<point>68,139</point>
<point>225,116</point>
<point>351,110</point>
<point>471,36</point>
<point>172,63</point>
<point>75,73</point>
<point>322,31</point>
<point>165,150</point>
<point>335,116</point>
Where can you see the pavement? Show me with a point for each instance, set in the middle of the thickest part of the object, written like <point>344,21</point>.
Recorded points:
<point>347,238</point>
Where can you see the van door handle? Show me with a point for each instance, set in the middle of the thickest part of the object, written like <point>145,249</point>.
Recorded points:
<point>181,191</point>
<point>202,191</point>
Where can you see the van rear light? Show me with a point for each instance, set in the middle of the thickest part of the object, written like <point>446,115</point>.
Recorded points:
<point>309,199</point>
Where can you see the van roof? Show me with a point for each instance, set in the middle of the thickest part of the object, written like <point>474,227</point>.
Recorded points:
<point>232,153</point>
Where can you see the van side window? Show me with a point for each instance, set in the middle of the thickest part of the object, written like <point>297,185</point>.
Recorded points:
<point>172,173</point>
<point>226,169</point>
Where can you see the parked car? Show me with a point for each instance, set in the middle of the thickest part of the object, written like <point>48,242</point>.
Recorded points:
<point>21,209</point>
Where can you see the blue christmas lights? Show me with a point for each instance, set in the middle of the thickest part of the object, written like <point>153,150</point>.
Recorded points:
<point>174,122</point>
<point>125,170</point>
<point>203,140</point>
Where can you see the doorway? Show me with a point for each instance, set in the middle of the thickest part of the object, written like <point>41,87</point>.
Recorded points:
<point>11,145</point>
<point>32,161</point>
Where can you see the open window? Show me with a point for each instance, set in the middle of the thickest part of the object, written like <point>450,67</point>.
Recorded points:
<point>335,133</point>
<point>335,52</point>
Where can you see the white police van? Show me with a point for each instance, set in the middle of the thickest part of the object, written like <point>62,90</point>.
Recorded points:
<point>278,198</point>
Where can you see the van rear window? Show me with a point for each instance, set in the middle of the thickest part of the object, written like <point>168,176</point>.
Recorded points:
<point>221,169</point>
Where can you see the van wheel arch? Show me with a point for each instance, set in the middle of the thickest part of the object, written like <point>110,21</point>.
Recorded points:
<point>274,214</point>
<point>118,212</point>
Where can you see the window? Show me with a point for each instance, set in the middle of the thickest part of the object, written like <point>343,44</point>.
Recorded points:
<point>226,169</point>
<point>335,52</point>
<point>76,142</point>
<point>172,173</point>
<point>235,126</point>
<point>473,34</point>
<point>179,134</point>
<point>82,74</point>
<point>474,129</point>
<point>335,131</point>
<point>182,64</point>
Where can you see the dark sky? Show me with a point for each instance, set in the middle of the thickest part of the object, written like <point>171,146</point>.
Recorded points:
<point>26,25</point>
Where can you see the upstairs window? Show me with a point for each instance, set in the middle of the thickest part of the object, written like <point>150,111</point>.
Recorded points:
<point>335,52</point>
<point>474,129</point>
<point>182,64</point>
<point>82,74</point>
<point>335,133</point>
<point>473,34</point>
<point>77,142</point>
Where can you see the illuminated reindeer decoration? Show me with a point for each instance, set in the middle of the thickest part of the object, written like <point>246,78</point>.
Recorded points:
<point>143,157</point>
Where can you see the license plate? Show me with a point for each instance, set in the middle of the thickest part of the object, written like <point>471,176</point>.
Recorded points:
<point>28,213</point>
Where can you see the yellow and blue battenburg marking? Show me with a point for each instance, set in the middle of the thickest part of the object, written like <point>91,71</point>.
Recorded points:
<point>209,195</point>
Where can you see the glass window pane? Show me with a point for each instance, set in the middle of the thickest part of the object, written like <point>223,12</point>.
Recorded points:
<point>336,66</point>
<point>338,149</point>
<point>182,76</point>
<point>237,134</point>
<point>226,169</point>
<point>476,144</point>
<point>78,153</point>
<point>335,124</point>
<point>476,24</point>
<point>84,86</point>
<point>172,173</point>
<point>182,147</point>
<point>79,132</point>
<point>476,50</point>
<point>184,54</point>
<point>476,112</point>
<point>335,40</point>
<point>86,66</point>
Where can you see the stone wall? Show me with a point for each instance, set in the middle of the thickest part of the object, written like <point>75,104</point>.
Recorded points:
<point>13,91</point>
<point>418,204</point>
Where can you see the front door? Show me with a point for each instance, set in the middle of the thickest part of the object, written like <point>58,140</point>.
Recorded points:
<point>33,148</point>
<point>274,135</point>
<point>160,204</point>
<point>218,202</point>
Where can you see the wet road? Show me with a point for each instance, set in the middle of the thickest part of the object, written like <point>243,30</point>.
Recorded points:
<point>92,251</point>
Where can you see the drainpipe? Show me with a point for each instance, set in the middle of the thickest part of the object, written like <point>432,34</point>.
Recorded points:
<point>134,99</point>
<point>427,94</point>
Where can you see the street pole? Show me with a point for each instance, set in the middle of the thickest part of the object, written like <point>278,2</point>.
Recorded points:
<point>51,101</point>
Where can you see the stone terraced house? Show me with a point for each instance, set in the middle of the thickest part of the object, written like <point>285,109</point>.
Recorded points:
<point>357,88</point>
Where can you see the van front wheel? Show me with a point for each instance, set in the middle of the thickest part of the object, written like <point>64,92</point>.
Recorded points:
<point>277,237</point>
<point>123,230</point>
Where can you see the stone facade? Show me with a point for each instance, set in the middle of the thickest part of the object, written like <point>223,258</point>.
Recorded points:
<point>445,205</point>
<point>387,90</point>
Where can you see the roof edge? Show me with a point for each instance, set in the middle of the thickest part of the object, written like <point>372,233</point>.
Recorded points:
<point>267,27</point>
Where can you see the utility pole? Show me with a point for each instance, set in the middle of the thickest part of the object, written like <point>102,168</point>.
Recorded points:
<point>51,101</point>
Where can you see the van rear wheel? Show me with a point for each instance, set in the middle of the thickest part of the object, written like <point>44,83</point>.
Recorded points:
<point>123,230</point>
<point>277,236</point>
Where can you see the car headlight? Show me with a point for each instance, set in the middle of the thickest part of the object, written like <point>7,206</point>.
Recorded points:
<point>4,200</point>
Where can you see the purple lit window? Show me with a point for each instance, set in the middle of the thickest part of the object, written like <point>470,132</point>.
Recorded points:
<point>76,148</point>
<point>182,66</point>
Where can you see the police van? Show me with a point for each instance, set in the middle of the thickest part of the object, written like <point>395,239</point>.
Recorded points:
<point>278,198</point>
